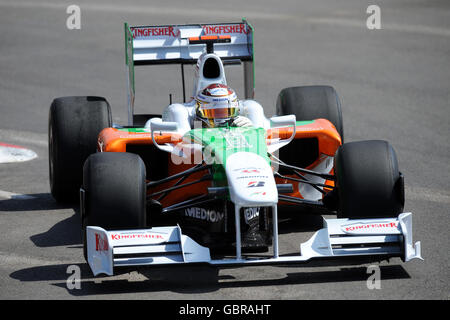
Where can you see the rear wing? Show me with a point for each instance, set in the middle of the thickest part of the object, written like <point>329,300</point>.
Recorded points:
<point>175,44</point>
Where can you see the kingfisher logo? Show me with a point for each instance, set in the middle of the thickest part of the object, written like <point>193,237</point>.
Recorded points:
<point>101,243</point>
<point>371,228</point>
<point>250,171</point>
<point>256,184</point>
<point>126,236</point>
<point>144,32</point>
<point>258,193</point>
<point>224,29</point>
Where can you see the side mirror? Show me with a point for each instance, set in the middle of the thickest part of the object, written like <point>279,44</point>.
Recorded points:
<point>156,124</point>
<point>283,121</point>
<point>280,122</point>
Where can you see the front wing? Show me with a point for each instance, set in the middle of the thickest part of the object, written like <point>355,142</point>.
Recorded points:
<point>390,237</point>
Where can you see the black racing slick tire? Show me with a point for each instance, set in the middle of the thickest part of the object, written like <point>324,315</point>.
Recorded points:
<point>114,191</point>
<point>368,180</point>
<point>308,103</point>
<point>73,128</point>
<point>113,194</point>
<point>312,102</point>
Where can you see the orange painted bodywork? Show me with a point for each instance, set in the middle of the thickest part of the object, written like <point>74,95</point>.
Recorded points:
<point>114,140</point>
<point>322,129</point>
<point>329,141</point>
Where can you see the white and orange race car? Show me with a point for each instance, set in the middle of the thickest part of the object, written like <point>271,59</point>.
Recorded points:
<point>163,190</point>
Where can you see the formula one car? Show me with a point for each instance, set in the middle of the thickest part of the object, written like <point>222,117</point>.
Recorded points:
<point>165,189</point>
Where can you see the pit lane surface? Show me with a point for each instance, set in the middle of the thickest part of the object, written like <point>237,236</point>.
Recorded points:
<point>393,83</point>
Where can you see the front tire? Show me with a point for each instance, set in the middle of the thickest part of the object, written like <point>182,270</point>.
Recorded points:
<point>368,180</point>
<point>114,192</point>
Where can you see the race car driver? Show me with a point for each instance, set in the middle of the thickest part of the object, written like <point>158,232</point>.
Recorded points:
<point>217,106</point>
<point>214,106</point>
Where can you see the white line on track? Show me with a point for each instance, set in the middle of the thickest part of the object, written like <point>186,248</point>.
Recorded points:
<point>12,259</point>
<point>6,195</point>
<point>230,14</point>
<point>149,10</point>
<point>21,136</point>
<point>420,29</point>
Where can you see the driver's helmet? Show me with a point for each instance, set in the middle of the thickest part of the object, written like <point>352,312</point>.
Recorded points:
<point>217,105</point>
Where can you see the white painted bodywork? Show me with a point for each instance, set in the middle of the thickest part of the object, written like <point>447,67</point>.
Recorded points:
<point>250,185</point>
<point>107,250</point>
<point>173,42</point>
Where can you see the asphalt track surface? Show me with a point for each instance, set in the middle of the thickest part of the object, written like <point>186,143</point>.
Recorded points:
<point>393,82</point>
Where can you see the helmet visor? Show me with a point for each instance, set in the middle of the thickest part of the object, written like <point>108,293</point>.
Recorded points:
<point>218,111</point>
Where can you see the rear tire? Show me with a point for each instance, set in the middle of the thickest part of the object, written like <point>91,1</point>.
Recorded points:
<point>308,103</point>
<point>368,180</point>
<point>73,128</point>
<point>312,102</point>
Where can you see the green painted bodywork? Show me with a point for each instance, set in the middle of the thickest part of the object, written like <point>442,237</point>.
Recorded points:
<point>219,143</point>
<point>134,130</point>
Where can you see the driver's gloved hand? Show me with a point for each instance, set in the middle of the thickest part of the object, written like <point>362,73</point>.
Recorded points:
<point>241,121</point>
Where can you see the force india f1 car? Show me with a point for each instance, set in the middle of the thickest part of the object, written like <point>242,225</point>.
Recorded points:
<point>161,190</point>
